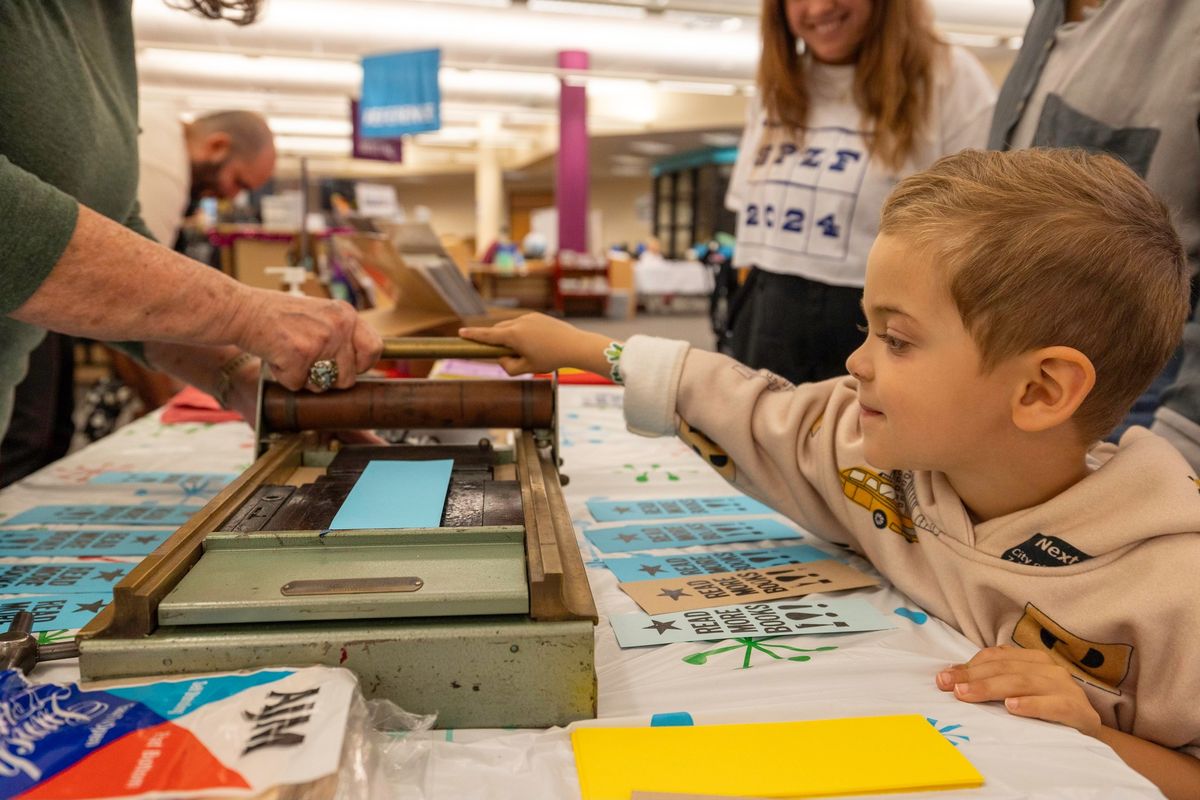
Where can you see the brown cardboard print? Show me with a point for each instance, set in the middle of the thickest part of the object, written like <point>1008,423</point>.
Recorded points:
<point>747,586</point>
<point>1100,664</point>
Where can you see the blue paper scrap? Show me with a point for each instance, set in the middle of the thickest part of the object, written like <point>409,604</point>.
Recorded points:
<point>646,568</point>
<point>799,616</point>
<point>396,494</point>
<point>630,538</point>
<point>104,514</point>
<point>45,542</point>
<point>44,576</point>
<point>672,508</point>
<point>54,612</point>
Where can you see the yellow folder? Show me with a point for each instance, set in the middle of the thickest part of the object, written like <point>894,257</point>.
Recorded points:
<point>815,758</point>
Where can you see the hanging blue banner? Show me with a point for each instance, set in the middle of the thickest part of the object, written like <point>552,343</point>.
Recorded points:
<point>400,94</point>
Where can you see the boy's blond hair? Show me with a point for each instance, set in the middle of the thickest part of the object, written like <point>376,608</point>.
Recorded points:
<point>1054,247</point>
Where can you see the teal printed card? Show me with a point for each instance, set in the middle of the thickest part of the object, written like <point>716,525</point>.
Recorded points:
<point>644,568</point>
<point>674,508</point>
<point>783,618</point>
<point>630,538</point>
<point>145,514</point>
<point>53,613</point>
<point>191,484</point>
<point>44,542</point>
<point>396,494</point>
<point>31,577</point>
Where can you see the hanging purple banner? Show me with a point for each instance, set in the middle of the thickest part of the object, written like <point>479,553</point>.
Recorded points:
<point>374,149</point>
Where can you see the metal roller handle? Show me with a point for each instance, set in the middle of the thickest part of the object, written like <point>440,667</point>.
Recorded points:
<point>441,347</point>
<point>411,404</point>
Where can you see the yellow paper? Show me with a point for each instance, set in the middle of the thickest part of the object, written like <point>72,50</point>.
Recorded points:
<point>776,759</point>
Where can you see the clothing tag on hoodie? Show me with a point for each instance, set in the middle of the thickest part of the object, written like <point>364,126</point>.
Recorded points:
<point>1046,551</point>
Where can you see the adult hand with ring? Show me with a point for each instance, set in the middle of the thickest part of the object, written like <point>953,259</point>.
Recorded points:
<point>323,374</point>
<point>306,342</point>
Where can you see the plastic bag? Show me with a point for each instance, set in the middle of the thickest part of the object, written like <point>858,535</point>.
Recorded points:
<point>286,733</point>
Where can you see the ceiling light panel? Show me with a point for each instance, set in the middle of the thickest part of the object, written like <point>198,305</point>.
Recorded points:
<point>586,9</point>
<point>516,35</point>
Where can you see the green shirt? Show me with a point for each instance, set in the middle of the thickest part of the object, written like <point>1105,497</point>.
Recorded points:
<point>68,102</point>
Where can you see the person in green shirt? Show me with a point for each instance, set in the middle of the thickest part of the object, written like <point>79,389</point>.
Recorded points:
<point>75,256</point>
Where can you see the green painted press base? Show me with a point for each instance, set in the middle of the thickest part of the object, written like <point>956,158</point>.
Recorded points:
<point>475,672</point>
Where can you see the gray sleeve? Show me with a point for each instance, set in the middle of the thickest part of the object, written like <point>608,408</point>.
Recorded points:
<point>1178,419</point>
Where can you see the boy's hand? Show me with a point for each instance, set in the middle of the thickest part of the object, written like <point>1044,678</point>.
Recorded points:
<point>543,344</point>
<point>1030,683</point>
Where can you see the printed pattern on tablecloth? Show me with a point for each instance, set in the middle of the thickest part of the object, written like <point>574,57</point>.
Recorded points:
<point>644,568</point>
<point>784,618</point>
<point>630,538</point>
<point>675,508</point>
<point>75,543</point>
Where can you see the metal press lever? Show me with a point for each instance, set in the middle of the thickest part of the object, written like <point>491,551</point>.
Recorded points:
<point>19,648</point>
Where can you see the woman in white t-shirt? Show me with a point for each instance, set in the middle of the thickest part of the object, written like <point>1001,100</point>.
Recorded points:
<point>852,96</point>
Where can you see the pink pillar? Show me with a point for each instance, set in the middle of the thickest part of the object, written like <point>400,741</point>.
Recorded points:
<point>571,179</point>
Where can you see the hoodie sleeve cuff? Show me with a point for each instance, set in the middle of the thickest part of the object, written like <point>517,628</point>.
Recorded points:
<point>652,368</point>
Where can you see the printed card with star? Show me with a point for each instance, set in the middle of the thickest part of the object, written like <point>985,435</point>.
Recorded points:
<point>60,578</point>
<point>181,485</point>
<point>785,618</point>
<point>150,514</point>
<point>645,568</point>
<point>748,586</point>
<point>631,538</point>
<point>46,542</point>
<point>54,612</point>
<point>675,508</point>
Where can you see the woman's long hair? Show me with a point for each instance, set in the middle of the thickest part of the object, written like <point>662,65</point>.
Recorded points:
<point>893,75</point>
<point>239,12</point>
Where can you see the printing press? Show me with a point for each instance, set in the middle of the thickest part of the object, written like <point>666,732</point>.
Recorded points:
<point>486,619</point>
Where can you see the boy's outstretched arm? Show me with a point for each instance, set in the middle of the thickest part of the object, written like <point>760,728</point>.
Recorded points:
<point>544,344</point>
<point>1031,684</point>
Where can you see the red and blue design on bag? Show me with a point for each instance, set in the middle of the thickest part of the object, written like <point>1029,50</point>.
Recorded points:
<point>233,734</point>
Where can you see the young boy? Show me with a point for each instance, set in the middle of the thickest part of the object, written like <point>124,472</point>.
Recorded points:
<point>1017,304</point>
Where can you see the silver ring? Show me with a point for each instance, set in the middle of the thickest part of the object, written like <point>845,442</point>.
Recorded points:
<point>323,374</point>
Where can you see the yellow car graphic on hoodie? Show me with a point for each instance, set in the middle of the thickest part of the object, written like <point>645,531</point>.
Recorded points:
<point>879,495</point>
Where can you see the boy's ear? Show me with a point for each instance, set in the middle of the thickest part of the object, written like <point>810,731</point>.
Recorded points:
<point>1056,382</point>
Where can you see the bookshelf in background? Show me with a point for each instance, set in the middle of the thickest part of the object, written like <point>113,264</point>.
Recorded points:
<point>581,284</point>
<point>689,199</point>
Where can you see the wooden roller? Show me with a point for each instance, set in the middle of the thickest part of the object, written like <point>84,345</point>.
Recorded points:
<point>527,404</point>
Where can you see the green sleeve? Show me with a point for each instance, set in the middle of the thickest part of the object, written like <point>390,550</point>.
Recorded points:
<point>36,224</point>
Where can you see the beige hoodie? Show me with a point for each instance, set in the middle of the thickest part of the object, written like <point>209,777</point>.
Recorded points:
<point>1104,576</point>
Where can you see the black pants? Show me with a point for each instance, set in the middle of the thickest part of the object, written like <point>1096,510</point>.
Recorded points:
<point>800,329</point>
<point>41,427</point>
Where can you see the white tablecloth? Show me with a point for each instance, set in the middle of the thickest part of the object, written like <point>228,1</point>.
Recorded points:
<point>888,672</point>
<point>672,277</point>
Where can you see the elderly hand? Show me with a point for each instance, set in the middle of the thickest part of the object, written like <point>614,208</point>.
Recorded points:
<point>291,333</point>
<point>1030,683</point>
<point>543,344</point>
